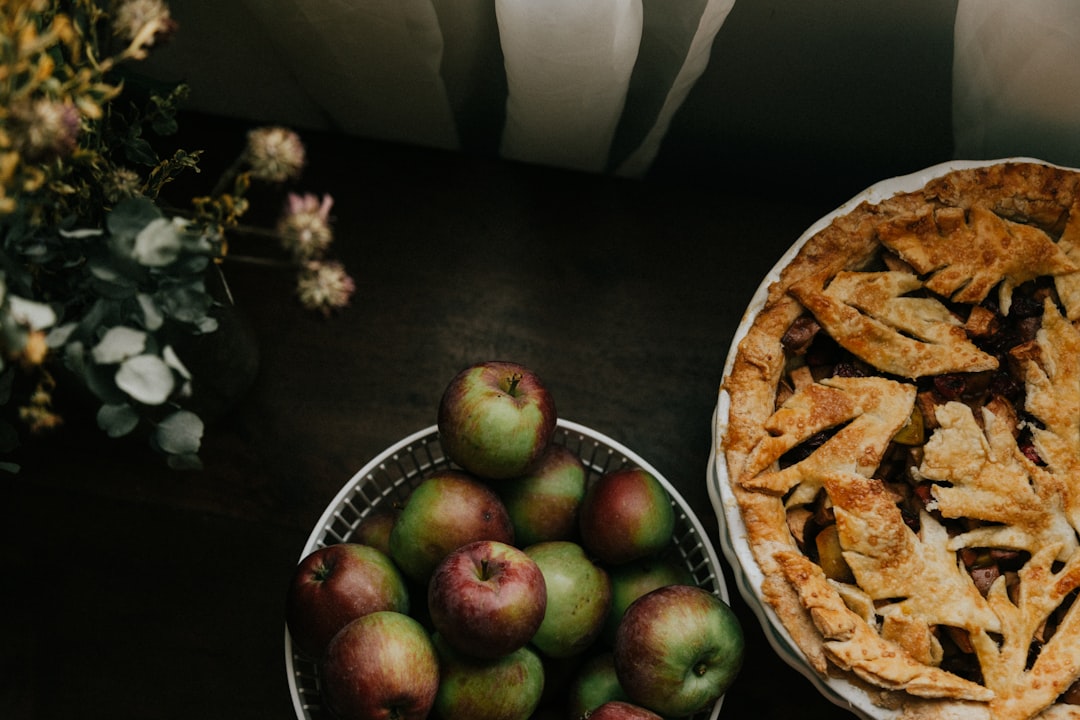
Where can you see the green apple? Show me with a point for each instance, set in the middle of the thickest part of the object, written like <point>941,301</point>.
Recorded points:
<point>626,515</point>
<point>496,419</point>
<point>578,598</point>
<point>634,579</point>
<point>677,650</point>
<point>504,688</point>
<point>594,684</point>
<point>446,510</point>
<point>543,503</point>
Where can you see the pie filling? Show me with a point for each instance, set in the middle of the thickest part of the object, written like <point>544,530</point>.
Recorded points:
<point>904,438</point>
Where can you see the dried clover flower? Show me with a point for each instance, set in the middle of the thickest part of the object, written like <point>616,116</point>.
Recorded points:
<point>122,183</point>
<point>275,154</point>
<point>143,22</point>
<point>44,128</point>
<point>324,286</point>
<point>305,227</point>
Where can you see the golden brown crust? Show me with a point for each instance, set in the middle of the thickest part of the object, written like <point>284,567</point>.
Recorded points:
<point>955,517</point>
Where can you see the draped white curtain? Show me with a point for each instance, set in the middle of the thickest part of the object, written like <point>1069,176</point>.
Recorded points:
<point>1016,79</point>
<point>583,84</point>
<point>594,84</point>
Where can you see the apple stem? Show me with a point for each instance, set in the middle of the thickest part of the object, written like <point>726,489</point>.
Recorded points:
<point>700,669</point>
<point>511,387</point>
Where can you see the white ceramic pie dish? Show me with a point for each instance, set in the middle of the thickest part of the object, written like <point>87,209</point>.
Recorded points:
<point>733,542</point>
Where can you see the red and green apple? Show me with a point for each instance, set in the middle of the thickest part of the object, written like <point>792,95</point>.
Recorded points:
<point>487,599</point>
<point>496,419</point>
<point>335,584</point>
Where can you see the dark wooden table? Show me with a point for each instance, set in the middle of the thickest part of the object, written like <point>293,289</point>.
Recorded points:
<point>133,591</point>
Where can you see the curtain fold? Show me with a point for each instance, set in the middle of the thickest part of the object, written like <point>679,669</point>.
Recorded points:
<point>372,66</point>
<point>676,46</point>
<point>568,66</point>
<point>1016,80</point>
<point>589,85</point>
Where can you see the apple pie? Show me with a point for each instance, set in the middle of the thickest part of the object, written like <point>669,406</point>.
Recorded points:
<point>902,443</point>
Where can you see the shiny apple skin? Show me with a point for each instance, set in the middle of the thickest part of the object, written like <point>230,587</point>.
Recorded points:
<point>620,710</point>
<point>504,688</point>
<point>543,504</point>
<point>487,599</point>
<point>496,419</point>
<point>634,579</point>
<point>578,598</point>
<point>626,515</point>
<point>594,684</point>
<point>446,510</point>
<point>677,650</point>
<point>382,666</point>
<point>335,584</point>
<point>374,528</point>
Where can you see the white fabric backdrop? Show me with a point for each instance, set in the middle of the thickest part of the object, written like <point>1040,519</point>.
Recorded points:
<point>1016,79</point>
<point>587,84</point>
<point>595,84</point>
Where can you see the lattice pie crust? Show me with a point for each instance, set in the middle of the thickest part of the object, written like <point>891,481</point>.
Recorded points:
<point>904,445</point>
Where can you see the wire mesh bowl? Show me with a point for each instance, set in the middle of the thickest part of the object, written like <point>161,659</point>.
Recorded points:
<point>392,475</point>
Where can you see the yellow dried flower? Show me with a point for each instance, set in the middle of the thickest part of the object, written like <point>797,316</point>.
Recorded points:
<point>35,349</point>
<point>38,415</point>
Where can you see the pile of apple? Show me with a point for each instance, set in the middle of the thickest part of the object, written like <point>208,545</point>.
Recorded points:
<point>509,586</point>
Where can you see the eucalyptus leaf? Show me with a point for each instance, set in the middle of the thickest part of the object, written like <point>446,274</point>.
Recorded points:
<point>102,270</point>
<point>187,304</point>
<point>117,420</point>
<point>9,437</point>
<point>7,382</point>
<point>152,317</point>
<point>158,244</point>
<point>101,381</point>
<point>138,150</point>
<point>207,325</point>
<point>180,433</point>
<point>173,360</point>
<point>146,378</point>
<point>189,461</point>
<point>129,217</point>
<point>119,344</point>
<point>82,233</point>
<point>59,335</point>
<point>113,290</point>
<point>35,315</point>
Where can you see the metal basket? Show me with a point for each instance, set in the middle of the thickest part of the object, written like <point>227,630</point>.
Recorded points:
<point>393,474</point>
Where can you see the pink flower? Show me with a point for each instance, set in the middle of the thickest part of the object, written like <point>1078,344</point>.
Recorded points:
<point>44,128</point>
<point>275,154</point>
<point>143,22</point>
<point>324,286</point>
<point>305,229</point>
